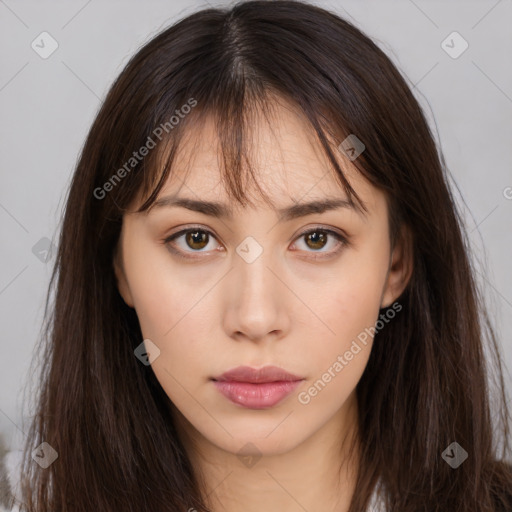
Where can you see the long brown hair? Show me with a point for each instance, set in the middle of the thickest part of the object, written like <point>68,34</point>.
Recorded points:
<point>428,382</point>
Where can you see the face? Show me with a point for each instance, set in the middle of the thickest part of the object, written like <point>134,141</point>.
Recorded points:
<point>257,287</point>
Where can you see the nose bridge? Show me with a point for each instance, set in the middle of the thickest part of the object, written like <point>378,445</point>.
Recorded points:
<point>256,307</point>
<point>251,266</point>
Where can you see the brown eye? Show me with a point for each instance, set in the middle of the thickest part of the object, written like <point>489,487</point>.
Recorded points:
<point>187,242</point>
<point>316,239</point>
<point>197,239</point>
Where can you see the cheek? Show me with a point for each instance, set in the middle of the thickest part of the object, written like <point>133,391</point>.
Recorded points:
<point>349,305</point>
<point>351,299</point>
<point>164,295</point>
<point>175,313</point>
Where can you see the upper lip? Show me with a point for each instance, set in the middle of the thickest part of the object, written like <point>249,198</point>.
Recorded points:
<point>257,375</point>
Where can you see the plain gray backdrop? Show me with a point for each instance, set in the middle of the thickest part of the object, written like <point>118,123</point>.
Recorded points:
<point>48,104</point>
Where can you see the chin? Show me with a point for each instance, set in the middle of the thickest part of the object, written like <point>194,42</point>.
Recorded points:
<point>259,440</point>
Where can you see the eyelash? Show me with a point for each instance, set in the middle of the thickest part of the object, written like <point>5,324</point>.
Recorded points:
<point>342,241</point>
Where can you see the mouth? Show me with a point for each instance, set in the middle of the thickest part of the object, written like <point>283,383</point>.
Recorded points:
<point>254,388</point>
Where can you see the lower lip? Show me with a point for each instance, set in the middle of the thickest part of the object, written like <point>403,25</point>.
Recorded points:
<point>256,396</point>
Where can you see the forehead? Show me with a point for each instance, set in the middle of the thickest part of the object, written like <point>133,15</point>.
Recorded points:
<point>283,152</point>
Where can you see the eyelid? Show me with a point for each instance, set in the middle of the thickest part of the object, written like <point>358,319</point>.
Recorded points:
<point>326,229</point>
<point>341,237</point>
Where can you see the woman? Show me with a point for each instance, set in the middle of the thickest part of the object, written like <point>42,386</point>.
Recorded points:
<point>263,293</point>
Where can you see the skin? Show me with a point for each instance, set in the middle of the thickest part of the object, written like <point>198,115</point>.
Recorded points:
<point>216,311</point>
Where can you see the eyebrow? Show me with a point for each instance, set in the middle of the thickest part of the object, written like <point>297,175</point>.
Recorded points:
<point>220,210</point>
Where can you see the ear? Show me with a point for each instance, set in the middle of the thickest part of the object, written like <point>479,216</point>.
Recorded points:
<point>122,282</point>
<point>400,268</point>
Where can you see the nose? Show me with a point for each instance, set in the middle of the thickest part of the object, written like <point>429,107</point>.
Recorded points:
<point>256,307</point>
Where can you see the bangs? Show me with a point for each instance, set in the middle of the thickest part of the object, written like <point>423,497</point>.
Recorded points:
<point>235,115</point>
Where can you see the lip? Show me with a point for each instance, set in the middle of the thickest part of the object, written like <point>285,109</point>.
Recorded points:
<point>257,375</point>
<point>256,388</point>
